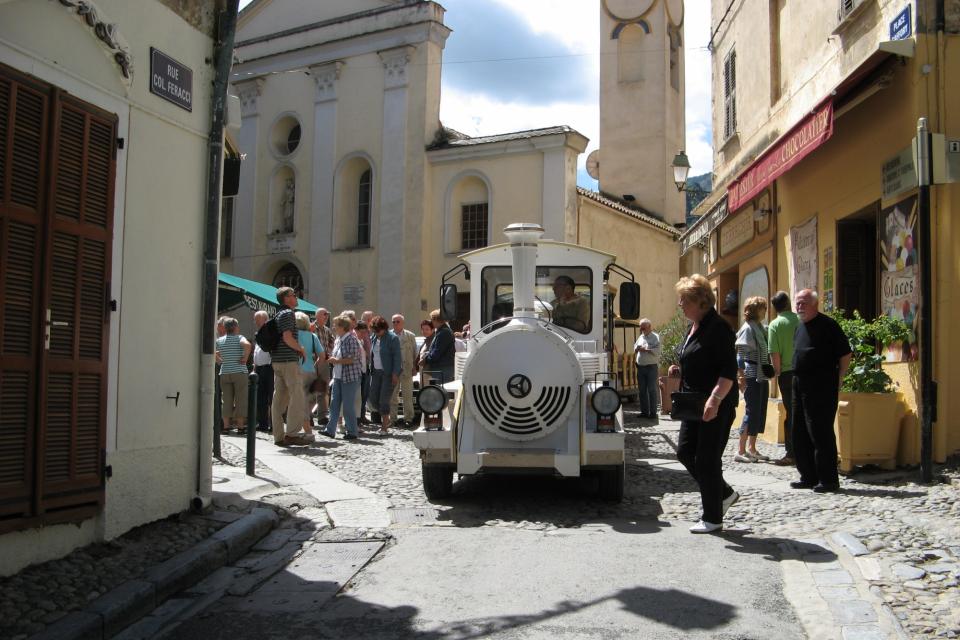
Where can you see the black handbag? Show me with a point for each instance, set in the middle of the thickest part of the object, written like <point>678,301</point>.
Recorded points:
<point>687,405</point>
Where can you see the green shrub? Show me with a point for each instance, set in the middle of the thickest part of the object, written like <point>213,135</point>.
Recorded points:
<point>671,335</point>
<point>867,340</point>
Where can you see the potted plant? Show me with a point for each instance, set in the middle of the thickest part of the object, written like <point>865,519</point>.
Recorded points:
<point>671,337</point>
<point>869,413</point>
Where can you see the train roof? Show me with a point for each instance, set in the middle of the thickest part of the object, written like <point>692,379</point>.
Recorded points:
<point>548,250</point>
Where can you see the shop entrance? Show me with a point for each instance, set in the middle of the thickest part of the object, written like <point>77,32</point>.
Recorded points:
<point>857,262</point>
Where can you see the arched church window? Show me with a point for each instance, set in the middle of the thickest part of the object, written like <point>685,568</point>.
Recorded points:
<point>363,209</point>
<point>289,276</point>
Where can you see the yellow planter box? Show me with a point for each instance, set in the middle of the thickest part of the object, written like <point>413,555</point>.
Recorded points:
<point>868,429</point>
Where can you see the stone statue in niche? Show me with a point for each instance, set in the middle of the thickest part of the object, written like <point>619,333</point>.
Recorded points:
<point>286,206</point>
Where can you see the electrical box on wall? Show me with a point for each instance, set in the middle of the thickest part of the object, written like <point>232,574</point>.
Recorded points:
<point>945,156</point>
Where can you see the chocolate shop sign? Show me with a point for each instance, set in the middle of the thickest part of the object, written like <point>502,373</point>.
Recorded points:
<point>171,80</point>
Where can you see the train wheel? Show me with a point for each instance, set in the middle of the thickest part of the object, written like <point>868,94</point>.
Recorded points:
<point>611,484</point>
<point>437,481</point>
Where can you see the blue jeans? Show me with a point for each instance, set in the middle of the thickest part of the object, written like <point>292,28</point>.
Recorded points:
<point>755,414</point>
<point>343,396</point>
<point>647,388</point>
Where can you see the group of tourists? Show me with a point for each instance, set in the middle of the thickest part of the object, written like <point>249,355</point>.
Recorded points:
<point>807,352</point>
<point>330,370</point>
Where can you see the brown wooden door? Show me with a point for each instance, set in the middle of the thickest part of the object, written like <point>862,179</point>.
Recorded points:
<point>24,117</point>
<point>55,344</point>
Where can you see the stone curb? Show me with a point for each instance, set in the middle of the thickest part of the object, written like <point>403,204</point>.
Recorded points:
<point>115,610</point>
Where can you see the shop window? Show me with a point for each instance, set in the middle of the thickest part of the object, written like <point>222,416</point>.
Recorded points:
<point>756,283</point>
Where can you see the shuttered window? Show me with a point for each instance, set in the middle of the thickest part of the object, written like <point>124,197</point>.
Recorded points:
<point>57,169</point>
<point>730,95</point>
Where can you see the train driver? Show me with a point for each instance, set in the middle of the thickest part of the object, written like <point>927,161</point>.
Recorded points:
<point>570,309</point>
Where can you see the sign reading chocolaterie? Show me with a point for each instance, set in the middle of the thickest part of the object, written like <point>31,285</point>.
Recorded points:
<point>171,80</point>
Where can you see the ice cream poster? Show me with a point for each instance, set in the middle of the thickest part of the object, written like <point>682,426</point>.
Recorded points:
<point>899,272</point>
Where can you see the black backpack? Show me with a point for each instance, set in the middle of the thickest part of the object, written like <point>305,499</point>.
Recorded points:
<point>268,336</point>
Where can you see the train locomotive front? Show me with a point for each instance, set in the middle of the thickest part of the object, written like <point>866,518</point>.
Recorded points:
<point>532,396</point>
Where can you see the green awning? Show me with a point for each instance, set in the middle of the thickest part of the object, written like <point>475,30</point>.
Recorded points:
<point>234,291</point>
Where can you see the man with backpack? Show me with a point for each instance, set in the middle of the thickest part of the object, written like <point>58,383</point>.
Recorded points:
<point>287,387</point>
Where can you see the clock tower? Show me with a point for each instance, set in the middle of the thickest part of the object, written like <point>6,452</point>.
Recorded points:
<point>642,103</point>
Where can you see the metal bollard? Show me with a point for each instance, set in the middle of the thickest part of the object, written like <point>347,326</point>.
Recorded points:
<point>252,422</point>
<point>217,415</point>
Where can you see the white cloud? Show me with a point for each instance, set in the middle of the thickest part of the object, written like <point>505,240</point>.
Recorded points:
<point>575,23</point>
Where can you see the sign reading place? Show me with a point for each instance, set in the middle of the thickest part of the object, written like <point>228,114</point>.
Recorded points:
<point>171,80</point>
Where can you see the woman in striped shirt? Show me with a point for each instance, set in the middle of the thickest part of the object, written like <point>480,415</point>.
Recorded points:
<point>752,353</point>
<point>233,351</point>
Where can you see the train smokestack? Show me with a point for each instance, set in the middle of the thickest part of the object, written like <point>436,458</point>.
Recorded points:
<point>523,237</point>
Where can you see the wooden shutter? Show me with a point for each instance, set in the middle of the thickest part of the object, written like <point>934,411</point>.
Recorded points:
<point>730,95</point>
<point>78,267</point>
<point>24,116</point>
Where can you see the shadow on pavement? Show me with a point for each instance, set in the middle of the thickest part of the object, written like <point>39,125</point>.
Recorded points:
<point>344,616</point>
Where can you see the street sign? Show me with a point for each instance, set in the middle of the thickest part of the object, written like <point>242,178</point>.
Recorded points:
<point>899,174</point>
<point>171,80</point>
<point>901,26</point>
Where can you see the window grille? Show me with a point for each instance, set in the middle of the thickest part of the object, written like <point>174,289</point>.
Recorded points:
<point>473,225</point>
<point>363,210</point>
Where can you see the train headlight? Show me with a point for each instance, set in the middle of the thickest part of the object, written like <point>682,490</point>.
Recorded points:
<point>432,399</point>
<point>606,402</point>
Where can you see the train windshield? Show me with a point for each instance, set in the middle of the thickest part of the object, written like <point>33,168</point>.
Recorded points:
<point>563,295</point>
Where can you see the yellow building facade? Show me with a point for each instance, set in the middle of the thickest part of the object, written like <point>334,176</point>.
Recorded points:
<point>816,185</point>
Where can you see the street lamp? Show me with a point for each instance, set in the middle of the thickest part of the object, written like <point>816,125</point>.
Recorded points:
<point>681,167</point>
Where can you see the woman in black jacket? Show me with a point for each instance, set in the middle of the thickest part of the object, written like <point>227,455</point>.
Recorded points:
<point>708,365</point>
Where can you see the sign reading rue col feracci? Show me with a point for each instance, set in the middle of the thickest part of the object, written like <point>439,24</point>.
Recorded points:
<point>171,80</point>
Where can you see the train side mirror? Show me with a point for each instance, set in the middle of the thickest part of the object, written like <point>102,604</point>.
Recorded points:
<point>448,301</point>
<point>629,300</point>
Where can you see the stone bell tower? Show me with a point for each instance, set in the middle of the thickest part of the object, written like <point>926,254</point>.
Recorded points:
<point>641,103</point>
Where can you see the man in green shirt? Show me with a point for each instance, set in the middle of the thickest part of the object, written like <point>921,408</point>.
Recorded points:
<point>780,341</point>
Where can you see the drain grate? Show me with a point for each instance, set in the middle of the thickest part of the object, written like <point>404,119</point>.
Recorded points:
<point>416,515</point>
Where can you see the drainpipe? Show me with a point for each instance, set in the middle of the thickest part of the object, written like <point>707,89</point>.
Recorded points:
<point>222,61</point>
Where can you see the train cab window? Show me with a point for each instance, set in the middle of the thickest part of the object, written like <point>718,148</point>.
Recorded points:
<point>562,295</point>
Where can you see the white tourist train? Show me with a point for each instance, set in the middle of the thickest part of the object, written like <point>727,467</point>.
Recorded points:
<point>533,392</point>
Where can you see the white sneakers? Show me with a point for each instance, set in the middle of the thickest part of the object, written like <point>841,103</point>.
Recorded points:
<point>729,501</point>
<point>709,527</point>
<point>705,527</point>
<point>743,457</point>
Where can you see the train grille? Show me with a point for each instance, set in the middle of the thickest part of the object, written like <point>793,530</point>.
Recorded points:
<point>521,420</point>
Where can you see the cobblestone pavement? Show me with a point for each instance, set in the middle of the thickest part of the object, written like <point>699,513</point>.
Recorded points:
<point>910,530</point>
<point>42,594</point>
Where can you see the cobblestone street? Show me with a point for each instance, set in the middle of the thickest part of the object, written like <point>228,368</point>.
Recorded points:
<point>909,531</point>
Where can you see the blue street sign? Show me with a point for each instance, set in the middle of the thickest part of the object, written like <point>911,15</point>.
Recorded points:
<point>901,27</point>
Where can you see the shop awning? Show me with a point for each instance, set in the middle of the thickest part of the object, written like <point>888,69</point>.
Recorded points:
<point>234,291</point>
<point>793,147</point>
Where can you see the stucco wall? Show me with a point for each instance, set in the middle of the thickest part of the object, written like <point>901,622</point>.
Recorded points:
<point>157,253</point>
<point>814,62</point>
<point>652,255</point>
